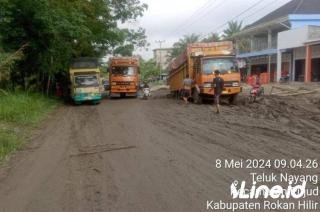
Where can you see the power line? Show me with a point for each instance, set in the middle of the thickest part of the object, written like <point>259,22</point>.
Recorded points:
<point>204,15</point>
<point>192,15</point>
<point>235,17</point>
<point>266,6</point>
<point>206,5</point>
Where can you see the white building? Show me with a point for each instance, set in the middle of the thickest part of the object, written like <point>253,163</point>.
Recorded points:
<point>162,57</point>
<point>284,42</point>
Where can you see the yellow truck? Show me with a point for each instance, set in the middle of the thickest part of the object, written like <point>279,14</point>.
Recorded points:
<point>85,81</point>
<point>198,62</point>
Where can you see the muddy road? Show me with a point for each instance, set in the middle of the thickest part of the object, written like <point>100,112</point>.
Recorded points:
<point>155,155</point>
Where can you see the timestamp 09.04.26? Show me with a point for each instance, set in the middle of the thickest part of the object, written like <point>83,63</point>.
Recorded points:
<point>267,164</point>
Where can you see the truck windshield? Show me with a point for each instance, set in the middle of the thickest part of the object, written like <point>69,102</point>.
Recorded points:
<point>122,70</point>
<point>86,80</point>
<point>223,65</point>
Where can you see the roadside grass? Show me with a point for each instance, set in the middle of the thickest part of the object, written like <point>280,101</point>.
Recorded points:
<point>20,112</point>
<point>9,142</point>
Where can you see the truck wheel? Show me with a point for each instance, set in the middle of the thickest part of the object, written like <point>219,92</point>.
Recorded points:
<point>175,94</point>
<point>77,103</point>
<point>233,99</point>
<point>197,99</point>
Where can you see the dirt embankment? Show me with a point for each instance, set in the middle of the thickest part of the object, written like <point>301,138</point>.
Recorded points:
<point>152,155</point>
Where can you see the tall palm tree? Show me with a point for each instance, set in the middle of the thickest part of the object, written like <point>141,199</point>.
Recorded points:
<point>213,37</point>
<point>178,47</point>
<point>233,28</point>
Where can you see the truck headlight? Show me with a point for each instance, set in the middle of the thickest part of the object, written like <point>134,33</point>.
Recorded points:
<point>207,85</point>
<point>235,84</point>
<point>113,83</point>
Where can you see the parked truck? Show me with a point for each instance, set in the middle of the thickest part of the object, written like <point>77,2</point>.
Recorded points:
<point>124,76</point>
<point>85,81</point>
<point>198,62</point>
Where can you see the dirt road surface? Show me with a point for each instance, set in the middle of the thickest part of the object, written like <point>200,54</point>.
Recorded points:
<point>154,155</point>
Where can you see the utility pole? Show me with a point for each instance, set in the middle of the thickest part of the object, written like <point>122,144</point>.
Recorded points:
<point>160,55</point>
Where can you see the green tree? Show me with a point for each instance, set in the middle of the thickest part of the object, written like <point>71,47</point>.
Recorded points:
<point>131,40</point>
<point>233,28</point>
<point>59,30</point>
<point>181,45</point>
<point>149,69</point>
<point>213,37</point>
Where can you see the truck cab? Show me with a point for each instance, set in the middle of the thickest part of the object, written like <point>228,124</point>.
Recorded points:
<point>124,76</point>
<point>227,66</point>
<point>85,81</point>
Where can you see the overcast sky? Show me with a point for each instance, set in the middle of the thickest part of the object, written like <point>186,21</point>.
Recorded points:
<point>169,20</point>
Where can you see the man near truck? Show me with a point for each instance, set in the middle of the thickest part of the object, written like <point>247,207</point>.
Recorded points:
<point>187,86</point>
<point>218,84</point>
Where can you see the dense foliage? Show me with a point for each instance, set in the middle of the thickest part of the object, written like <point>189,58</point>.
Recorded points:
<point>55,31</point>
<point>213,37</point>
<point>149,70</point>
<point>180,46</point>
<point>233,28</point>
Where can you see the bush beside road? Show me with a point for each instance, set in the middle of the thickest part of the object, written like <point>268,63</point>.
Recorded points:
<point>20,112</point>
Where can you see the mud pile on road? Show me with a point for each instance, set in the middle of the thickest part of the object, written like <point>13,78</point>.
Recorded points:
<point>276,107</point>
<point>292,116</point>
<point>272,107</point>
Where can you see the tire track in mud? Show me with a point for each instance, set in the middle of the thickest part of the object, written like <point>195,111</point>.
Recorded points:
<point>252,131</point>
<point>172,167</point>
<point>248,136</point>
<point>88,174</point>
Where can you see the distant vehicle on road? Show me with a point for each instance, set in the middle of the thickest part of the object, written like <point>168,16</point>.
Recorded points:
<point>106,84</point>
<point>198,63</point>
<point>256,92</point>
<point>124,76</point>
<point>145,91</point>
<point>85,80</point>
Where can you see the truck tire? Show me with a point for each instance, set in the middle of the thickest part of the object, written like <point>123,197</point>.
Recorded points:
<point>233,99</point>
<point>76,103</point>
<point>197,99</point>
<point>179,94</point>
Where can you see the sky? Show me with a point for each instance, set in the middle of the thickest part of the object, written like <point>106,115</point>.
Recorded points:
<point>170,20</point>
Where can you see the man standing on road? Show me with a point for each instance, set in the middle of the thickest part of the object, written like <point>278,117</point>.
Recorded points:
<point>218,84</point>
<point>187,86</point>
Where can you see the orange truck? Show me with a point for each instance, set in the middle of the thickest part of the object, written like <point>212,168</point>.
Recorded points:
<point>124,76</point>
<point>198,62</point>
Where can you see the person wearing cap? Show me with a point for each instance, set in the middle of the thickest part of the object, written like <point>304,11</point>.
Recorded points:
<point>218,84</point>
